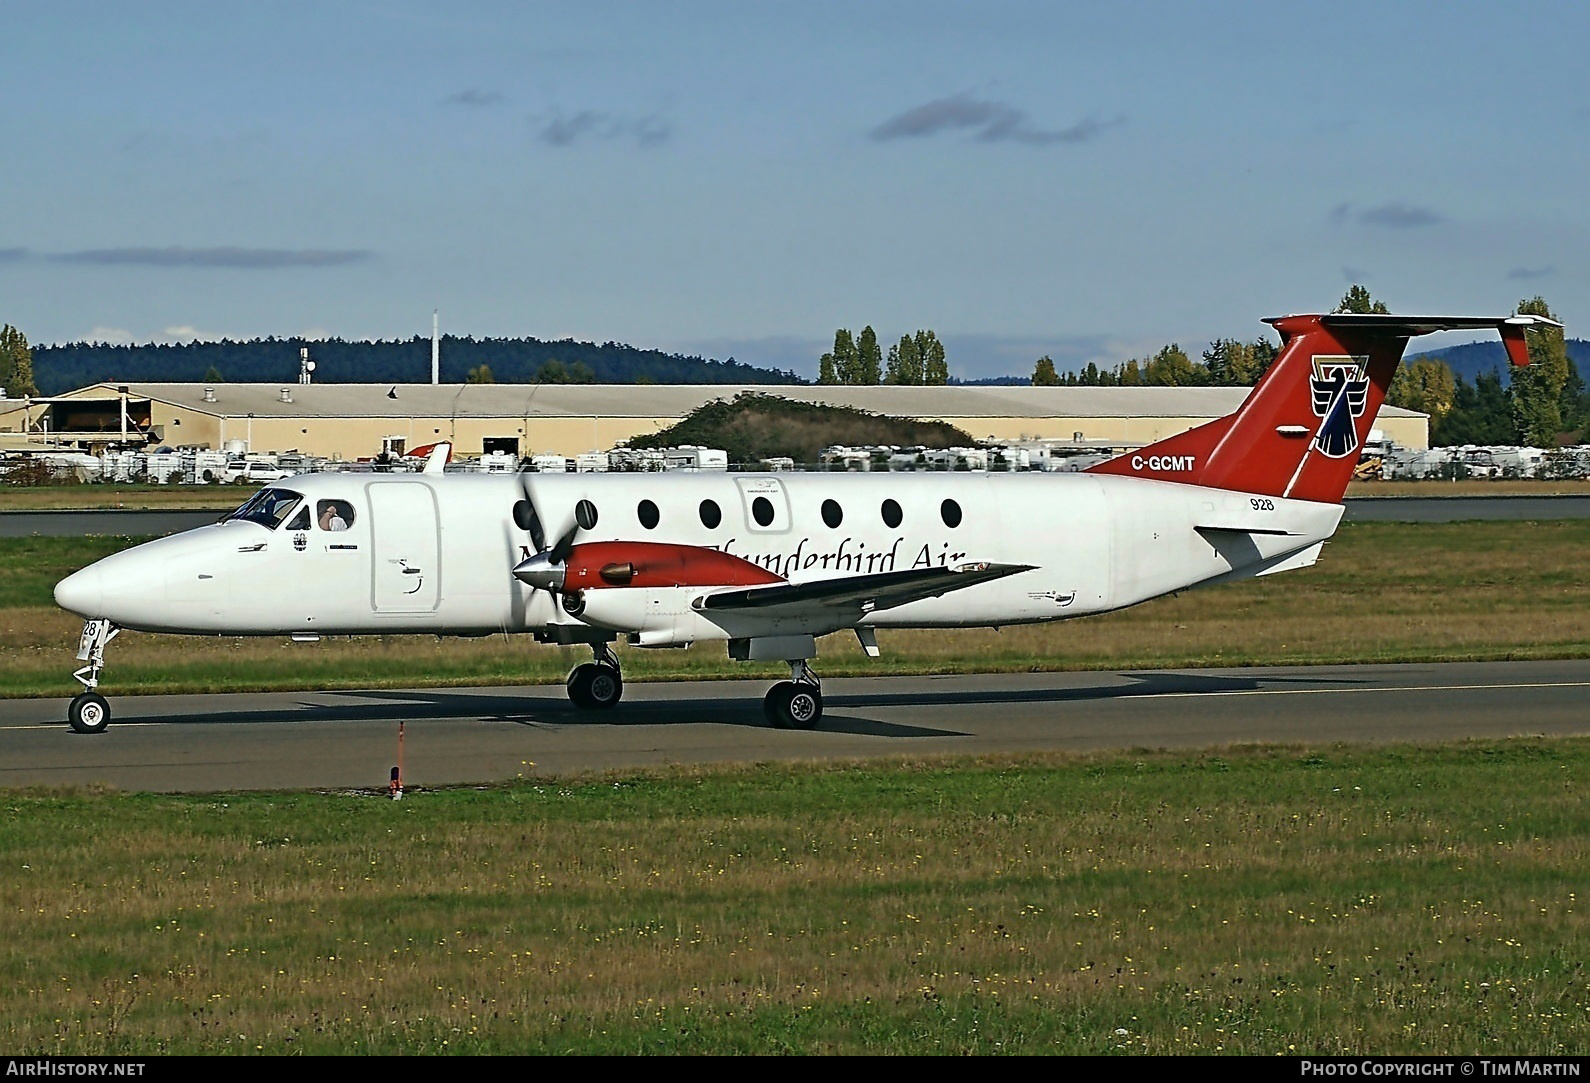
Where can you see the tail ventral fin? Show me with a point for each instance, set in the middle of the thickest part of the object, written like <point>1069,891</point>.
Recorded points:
<point>1298,433</point>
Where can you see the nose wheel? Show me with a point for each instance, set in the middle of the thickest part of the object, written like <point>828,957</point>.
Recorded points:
<point>795,704</point>
<point>597,685</point>
<point>88,713</point>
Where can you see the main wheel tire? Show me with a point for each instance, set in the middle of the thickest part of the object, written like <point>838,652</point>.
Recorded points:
<point>595,687</point>
<point>774,705</point>
<point>579,686</point>
<point>88,713</point>
<point>791,706</point>
<point>604,688</point>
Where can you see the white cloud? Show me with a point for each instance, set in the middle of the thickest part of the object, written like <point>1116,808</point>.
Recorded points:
<point>188,333</point>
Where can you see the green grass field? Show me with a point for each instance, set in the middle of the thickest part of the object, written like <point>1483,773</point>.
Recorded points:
<point>1254,901</point>
<point>1382,592</point>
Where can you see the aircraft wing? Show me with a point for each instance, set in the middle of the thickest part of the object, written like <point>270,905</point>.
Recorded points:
<point>882,590</point>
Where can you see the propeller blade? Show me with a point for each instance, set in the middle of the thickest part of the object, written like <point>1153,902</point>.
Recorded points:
<point>538,537</point>
<point>560,551</point>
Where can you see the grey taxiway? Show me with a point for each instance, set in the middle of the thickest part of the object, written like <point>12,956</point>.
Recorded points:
<point>350,740</point>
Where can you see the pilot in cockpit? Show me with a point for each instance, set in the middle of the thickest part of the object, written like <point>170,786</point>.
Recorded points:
<point>331,515</point>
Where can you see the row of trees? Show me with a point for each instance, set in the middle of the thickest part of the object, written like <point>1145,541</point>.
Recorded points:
<point>915,359</point>
<point>269,360</point>
<point>1226,363</point>
<point>1545,400</point>
<point>16,363</point>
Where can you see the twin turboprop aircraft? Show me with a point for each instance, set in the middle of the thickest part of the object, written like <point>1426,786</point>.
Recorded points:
<point>767,563</point>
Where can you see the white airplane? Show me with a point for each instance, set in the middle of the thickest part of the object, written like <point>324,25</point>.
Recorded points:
<point>769,562</point>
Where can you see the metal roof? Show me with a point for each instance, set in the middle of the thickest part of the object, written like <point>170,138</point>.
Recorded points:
<point>676,400</point>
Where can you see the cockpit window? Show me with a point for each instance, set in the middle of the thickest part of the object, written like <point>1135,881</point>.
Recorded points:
<point>334,514</point>
<point>269,507</point>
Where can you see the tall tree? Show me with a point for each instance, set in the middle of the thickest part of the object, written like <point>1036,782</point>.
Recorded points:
<point>481,374</point>
<point>869,358</point>
<point>1170,367</point>
<point>905,362</point>
<point>827,370</point>
<point>847,358</point>
<point>1043,373</point>
<point>1423,384</point>
<point>16,363</point>
<point>935,368</point>
<point>1538,387</point>
<point>1357,300</point>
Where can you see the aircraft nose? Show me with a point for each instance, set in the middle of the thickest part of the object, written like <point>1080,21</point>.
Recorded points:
<point>82,592</point>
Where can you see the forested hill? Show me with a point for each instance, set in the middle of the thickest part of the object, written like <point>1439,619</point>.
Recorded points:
<point>1472,358</point>
<point>272,360</point>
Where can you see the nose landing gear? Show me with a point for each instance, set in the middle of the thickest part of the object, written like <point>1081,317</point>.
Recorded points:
<point>89,712</point>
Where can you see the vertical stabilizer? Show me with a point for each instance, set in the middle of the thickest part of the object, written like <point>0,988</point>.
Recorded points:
<point>1298,433</point>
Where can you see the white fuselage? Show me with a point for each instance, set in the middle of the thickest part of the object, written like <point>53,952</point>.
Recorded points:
<point>435,553</point>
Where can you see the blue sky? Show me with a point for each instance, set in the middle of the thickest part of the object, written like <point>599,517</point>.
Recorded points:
<point>1085,180</point>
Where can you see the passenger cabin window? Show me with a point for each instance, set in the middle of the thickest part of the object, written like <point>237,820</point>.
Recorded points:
<point>891,514</point>
<point>585,515</point>
<point>648,515</point>
<point>334,515</point>
<point>833,514</point>
<point>269,507</point>
<point>951,513</point>
<point>762,511</point>
<point>711,514</point>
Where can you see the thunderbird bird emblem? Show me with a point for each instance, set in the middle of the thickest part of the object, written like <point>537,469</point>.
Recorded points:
<point>1341,391</point>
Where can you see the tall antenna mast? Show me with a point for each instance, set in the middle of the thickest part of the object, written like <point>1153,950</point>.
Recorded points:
<point>436,349</point>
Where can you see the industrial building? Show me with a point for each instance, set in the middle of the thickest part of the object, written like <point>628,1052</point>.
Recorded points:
<point>353,421</point>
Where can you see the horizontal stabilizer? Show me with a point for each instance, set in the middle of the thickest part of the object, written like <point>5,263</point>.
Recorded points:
<point>1211,528</point>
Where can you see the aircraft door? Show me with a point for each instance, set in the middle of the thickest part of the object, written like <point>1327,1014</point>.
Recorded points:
<point>406,551</point>
<point>766,504</point>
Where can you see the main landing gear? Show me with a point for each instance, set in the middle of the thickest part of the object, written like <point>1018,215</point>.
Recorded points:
<point>597,685</point>
<point>795,704</point>
<point>89,712</point>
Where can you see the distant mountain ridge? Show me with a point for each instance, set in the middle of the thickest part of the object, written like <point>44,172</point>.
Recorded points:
<point>1470,359</point>
<point>273,360</point>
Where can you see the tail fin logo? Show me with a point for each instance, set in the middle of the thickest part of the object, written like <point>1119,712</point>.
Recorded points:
<point>1341,391</point>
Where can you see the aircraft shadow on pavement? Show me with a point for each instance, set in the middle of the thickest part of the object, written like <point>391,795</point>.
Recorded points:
<point>1143,684</point>
<point>845,713</point>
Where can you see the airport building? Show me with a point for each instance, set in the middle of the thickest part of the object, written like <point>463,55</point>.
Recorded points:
<point>355,421</point>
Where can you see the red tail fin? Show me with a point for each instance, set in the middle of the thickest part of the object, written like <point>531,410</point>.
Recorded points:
<point>1297,434</point>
